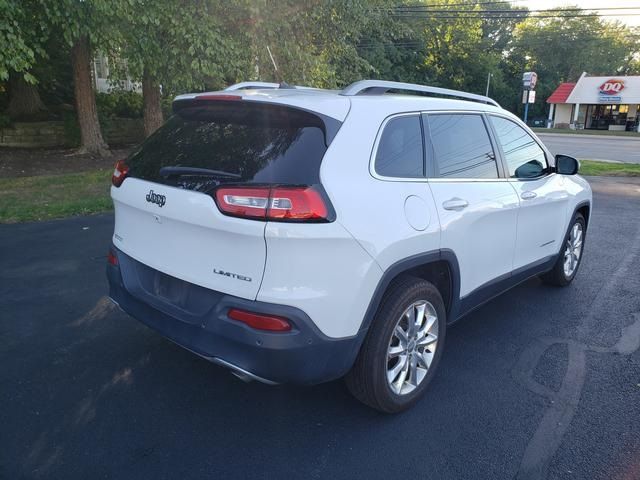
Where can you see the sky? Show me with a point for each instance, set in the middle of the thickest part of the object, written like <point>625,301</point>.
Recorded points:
<point>589,4</point>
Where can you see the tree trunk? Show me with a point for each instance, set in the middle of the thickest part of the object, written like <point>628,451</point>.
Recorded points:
<point>24,99</point>
<point>90,134</point>
<point>152,110</point>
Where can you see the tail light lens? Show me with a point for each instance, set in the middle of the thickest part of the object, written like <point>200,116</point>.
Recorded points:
<point>243,202</point>
<point>120,172</point>
<point>273,203</point>
<point>111,258</point>
<point>260,321</point>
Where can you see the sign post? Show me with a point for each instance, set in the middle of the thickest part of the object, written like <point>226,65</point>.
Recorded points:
<point>529,80</point>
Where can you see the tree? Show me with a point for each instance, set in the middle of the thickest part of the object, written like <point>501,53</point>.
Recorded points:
<point>82,25</point>
<point>313,42</point>
<point>560,49</point>
<point>173,46</point>
<point>22,38</point>
<point>24,98</point>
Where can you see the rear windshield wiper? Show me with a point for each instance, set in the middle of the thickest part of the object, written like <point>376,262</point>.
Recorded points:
<point>198,172</point>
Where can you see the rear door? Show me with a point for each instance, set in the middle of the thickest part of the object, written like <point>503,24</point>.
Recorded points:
<point>543,195</point>
<point>477,209</point>
<point>166,211</point>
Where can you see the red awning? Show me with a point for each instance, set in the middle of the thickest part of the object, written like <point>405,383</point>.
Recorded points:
<point>561,93</point>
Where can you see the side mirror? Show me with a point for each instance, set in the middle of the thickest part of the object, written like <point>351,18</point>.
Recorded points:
<point>566,165</point>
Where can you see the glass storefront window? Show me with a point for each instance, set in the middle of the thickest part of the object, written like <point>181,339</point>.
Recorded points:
<point>600,117</point>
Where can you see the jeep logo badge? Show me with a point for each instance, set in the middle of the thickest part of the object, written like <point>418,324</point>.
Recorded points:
<point>159,200</point>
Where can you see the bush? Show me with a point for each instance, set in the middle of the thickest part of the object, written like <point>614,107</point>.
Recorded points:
<point>5,120</point>
<point>119,103</point>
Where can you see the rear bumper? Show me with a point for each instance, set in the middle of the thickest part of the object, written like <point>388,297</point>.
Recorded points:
<point>196,319</point>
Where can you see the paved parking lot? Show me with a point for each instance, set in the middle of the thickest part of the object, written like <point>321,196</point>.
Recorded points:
<point>594,147</point>
<point>539,383</point>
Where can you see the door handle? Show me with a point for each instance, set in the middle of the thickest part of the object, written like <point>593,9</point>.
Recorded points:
<point>528,195</point>
<point>455,203</point>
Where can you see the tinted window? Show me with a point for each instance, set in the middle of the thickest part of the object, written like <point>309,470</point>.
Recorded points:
<point>524,157</point>
<point>400,151</point>
<point>254,143</point>
<point>461,146</point>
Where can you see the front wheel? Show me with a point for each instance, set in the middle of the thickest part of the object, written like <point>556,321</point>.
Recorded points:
<point>566,267</point>
<point>402,349</point>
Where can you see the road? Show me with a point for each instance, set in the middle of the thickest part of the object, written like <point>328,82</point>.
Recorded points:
<point>541,382</point>
<point>594,147</point>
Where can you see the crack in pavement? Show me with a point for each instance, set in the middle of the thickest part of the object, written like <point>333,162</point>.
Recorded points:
<point>563,403</point>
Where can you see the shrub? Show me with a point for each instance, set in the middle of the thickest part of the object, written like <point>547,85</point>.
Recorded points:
<point>119,103</point>
<point>5,120</point>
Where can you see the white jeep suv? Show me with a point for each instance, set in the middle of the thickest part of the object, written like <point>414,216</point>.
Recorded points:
<point>300,235</point>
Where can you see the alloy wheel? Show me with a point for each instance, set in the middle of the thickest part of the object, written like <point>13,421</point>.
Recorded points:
<point>412,347</point>
<point>573,249</point>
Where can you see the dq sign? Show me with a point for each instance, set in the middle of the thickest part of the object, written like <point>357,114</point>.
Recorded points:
<point>611,87</point>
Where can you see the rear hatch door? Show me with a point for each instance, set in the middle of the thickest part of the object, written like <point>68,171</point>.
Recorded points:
<point>166,215</point>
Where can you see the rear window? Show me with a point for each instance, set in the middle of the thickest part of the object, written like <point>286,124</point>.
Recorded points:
<point>243,142</point>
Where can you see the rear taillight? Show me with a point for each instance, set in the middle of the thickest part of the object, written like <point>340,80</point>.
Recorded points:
<point>243,202</point>
<point>273,203</point>
<point>259,321</point>
<point>120,172</point>
<point>111,258</point>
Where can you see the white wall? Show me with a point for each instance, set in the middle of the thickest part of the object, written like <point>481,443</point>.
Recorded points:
<point>563,114</point>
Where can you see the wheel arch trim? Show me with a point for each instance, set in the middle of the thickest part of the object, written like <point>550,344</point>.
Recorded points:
<point>409,263</point>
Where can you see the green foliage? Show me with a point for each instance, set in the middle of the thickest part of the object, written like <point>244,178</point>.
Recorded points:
<point>593,167</point>
<point>206,44</point>
<point>119,103</point>
<point>181,45</point>
<point>21,37</point>
<point>560,49</point>
<point>5,120</point>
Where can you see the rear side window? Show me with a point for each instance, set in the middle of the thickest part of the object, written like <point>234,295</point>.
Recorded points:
<point>461,146</point>
<point>400,151</point>
<point>246,143</point>
<point>525,158</point>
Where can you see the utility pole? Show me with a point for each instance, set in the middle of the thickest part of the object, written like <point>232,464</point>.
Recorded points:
<point>489,75</point>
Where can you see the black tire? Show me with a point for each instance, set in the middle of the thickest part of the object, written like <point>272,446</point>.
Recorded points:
<point>367,380</point>
<point>557,276</point>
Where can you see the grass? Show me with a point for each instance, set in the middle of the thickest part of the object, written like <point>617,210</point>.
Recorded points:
<point>592,167</point>
<point>586,132</point>
<point>24,199</point>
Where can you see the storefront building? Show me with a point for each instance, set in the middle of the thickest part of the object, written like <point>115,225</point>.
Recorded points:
<point>598,103</point>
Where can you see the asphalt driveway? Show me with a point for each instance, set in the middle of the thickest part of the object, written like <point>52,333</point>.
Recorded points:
<point>539,383</point>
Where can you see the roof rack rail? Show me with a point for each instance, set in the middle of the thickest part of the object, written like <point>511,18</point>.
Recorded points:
<point>250,85</point>
<point>378,87</point>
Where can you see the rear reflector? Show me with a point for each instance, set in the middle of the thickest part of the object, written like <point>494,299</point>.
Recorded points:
<point>273,203</point>
<point>260,321</point>
<point>111,258</point>
<point>120,172</point>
